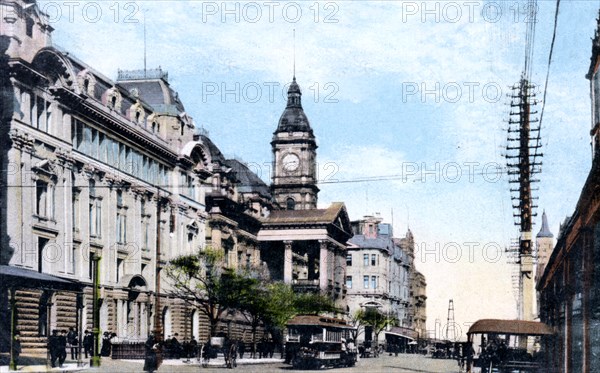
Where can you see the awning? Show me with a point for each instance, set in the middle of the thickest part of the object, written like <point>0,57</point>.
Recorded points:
<point>17,277</point>
<point>512,327</point>
<point>403,333</point>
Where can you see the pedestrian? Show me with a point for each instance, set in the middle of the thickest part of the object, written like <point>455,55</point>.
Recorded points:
<point>193,347</point>
<point>16,347</point>
<point>151,359</point>
<point>72,339</point>
<point>88,343</point>
<point>106,345</point>
<point>241,348</point>
<point>469,352</point>
<point>175,347</point>
<point>62,348</point>
<point>53,347</point>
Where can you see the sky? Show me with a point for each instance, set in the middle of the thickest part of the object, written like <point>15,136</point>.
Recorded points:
<point>407,99</point>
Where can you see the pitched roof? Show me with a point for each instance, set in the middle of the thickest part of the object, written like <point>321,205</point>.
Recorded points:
<point>248,181</point>
<point>512,327</point>
<point>326,216</point>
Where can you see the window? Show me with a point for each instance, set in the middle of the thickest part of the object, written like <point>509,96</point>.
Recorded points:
<point>366,259</point>
<point>373,259</point>
<point>349,260</point>
<point>42,242</point>
<point>29,26</point>
<point>366,282</point>
<point>145,219</point>
<point>349,282</point>
<point>290,204</point>
<point>186,185</point>
<point>95,211</point>
<point>44,201</point>
<point>90,265</point>
<point>121,221</point>
<point>75,201</point>
<point>374,282</point>
<point>74,252</point>
<point>120,267</point>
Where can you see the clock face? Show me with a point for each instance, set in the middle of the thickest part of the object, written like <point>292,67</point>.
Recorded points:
<point>291,162</point>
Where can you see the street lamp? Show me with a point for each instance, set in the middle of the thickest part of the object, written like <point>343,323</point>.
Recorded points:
<point>95,360</point>
<point>13,306</point>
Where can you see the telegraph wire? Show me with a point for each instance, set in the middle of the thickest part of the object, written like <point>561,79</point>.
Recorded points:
<point>548,68</point>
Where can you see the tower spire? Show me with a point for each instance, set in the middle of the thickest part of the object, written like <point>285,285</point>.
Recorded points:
<point>294,55</point>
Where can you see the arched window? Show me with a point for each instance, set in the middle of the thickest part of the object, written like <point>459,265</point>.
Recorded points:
<point>166,321</point>
<point>195,319</point>
<point>290,204</point>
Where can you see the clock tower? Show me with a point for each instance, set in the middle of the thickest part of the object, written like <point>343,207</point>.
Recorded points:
<point>294,157</point>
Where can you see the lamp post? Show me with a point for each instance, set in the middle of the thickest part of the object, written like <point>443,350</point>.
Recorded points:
<point>95,360</point>
<point>13,306</point>
<point>80,305</point>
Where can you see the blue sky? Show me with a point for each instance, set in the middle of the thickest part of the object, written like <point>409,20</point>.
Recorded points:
<point>365,59</point>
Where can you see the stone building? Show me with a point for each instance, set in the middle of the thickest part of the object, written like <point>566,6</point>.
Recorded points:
<point>96,167</point>
<point>117,169</point>
<point>568,287</point>
<point>418,303</point>
<point>301,244</point>
<point>379,274</point>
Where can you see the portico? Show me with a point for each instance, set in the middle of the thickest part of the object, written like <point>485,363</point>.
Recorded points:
<point>307,248</point>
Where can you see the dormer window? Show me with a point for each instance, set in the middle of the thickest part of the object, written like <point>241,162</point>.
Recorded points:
<point>29,27</point>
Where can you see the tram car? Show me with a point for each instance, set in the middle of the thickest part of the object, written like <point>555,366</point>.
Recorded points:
<point>317,342</point>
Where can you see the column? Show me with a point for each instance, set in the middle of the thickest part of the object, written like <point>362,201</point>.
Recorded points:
<point>323,265</point>
<point>287,262</point>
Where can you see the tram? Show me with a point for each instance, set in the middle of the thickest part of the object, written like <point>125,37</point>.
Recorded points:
<point>506,346</point>
<point>317,342</point>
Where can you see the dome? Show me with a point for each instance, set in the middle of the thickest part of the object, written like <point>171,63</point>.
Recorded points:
<point>293,118</point>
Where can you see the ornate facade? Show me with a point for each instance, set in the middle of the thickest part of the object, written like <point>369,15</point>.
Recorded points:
<point>96,167</point>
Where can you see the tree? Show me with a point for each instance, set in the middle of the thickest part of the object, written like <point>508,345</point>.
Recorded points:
<point>374,318</point>
<point>201,279</point>
<point>313,304</point>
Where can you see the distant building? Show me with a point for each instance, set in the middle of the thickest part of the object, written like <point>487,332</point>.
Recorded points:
<point>379,275</point>
<point>568,287</point>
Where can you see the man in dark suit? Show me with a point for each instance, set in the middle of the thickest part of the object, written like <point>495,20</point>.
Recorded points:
<point>53,347</point>
<point>88,343</point>
<point>62,348</point>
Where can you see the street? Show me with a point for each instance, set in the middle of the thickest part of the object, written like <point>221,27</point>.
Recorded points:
<point>404,363</point>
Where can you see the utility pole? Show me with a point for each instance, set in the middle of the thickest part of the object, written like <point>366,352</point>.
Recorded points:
<point>523,163</point>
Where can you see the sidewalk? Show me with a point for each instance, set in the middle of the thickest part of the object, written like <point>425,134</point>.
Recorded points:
<point>71,367</point>
<point>36,364</point>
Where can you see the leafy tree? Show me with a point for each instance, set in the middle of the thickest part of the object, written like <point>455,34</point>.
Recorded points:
<point>313,304</point>
<point>202,278</point>
<point>374,318</point>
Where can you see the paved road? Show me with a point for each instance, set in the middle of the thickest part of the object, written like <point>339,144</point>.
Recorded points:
<point>404,363</point>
